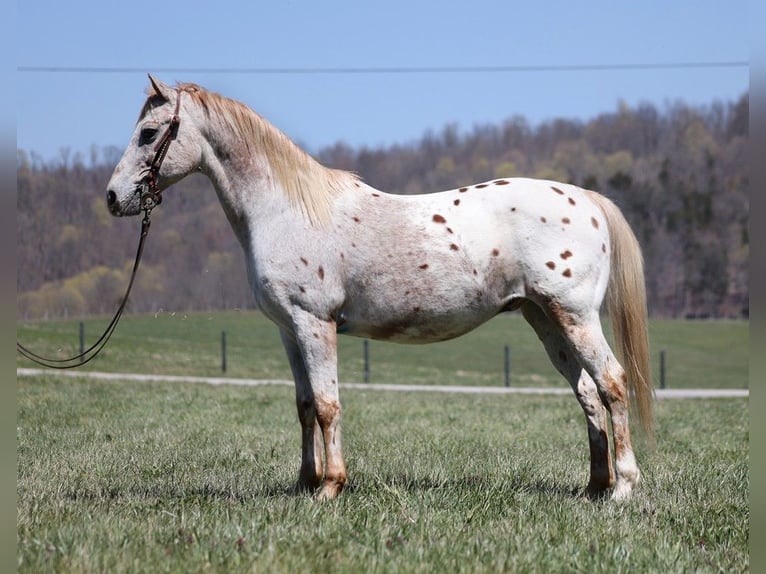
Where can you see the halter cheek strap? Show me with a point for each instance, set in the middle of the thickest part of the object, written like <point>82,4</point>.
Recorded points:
<point>151,193</point>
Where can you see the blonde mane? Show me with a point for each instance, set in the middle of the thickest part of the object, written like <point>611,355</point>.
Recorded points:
<point>309,186</point>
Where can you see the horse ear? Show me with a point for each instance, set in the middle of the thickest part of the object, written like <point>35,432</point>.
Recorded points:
<point>159,88</point>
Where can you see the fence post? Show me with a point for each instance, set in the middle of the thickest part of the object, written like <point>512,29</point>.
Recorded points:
<point>82,337</point>
<point>223,351</point>
<point>662,369</point>
<point>507,365</point>
<point>366,355</point>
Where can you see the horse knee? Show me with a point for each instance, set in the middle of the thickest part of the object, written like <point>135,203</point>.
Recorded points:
<point>327,413</point>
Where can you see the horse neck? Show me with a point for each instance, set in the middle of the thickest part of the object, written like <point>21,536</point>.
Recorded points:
<point>243,179</point>
<point>260,165</point>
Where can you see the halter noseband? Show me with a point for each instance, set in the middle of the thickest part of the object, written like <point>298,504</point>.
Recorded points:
<point>150,193</point>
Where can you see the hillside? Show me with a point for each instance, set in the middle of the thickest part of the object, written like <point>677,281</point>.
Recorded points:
<point>679,173</point>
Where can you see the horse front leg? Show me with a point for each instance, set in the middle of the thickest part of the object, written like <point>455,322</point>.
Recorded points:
<point>312,443</point>
<point>316,341</point>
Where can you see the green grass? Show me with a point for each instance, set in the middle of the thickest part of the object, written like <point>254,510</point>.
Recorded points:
<point>130,477</point>
<point>700,354</point>
<point>140,477</point>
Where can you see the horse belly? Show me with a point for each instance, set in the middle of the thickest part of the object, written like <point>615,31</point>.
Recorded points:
<point>410,329</point>
<point>420,318</point>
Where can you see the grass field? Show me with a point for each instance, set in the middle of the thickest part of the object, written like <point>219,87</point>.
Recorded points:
<point>146,477</point>
<point>139,477</point>
<point>700,354</point>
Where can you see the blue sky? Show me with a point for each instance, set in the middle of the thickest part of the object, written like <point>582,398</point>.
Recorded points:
<point>78,110</point>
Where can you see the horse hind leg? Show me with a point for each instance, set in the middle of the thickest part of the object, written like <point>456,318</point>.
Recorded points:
<point>584,334</point>
<point>565,360</point>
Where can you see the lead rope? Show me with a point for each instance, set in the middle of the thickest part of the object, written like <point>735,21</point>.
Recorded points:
<point>90,353</point>
<point>150,198</point>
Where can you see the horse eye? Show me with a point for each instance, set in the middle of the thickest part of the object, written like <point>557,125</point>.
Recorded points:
<point>147,136</point>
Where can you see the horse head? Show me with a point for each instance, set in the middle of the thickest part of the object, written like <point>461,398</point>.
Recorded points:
<point>164,148</point>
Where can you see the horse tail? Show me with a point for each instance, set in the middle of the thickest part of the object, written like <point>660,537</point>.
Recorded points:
<point>626,301</point>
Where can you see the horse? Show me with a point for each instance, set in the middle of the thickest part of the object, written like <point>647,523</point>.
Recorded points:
<point>327,254</point>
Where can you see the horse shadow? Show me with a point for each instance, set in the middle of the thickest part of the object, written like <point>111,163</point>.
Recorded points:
<point>363,486</point>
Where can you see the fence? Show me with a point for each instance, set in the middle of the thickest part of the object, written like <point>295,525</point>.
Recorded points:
<point>367,370</point>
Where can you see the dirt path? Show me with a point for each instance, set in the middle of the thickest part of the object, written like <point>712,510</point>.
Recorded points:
<point>661,393</point>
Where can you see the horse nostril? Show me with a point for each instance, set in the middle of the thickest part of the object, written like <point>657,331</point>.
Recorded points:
<point>111,198</point>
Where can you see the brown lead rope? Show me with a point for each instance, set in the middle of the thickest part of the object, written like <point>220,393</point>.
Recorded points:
<point>150,198</point>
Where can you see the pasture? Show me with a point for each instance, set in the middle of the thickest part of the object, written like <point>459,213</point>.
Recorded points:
<point>143,477</point>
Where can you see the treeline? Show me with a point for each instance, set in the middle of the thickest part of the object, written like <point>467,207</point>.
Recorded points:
<point>679,174</point>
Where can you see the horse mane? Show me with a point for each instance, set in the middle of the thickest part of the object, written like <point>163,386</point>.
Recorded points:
<point>309,186</point>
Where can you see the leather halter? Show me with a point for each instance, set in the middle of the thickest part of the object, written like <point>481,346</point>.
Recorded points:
<point>150,193</point>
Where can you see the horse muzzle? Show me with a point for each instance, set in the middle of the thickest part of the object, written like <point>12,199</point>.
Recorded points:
<point>131,206</point>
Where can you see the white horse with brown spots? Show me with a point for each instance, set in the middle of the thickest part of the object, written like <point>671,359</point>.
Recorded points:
<point>328,254</point>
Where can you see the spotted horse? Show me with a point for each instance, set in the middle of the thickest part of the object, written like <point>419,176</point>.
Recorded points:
<point>328,254</point>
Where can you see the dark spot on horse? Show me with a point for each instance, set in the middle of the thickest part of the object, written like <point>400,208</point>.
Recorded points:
<point>375,195</point>
<point>551,265</point>
<point>566,221</point>
<point>513,209</point>
<point>543,220</point>
<point>557,312</point>
<point>449,230</point>
<point>316,335</point>
<point>495,252</point>
<point>567,273</point>
<point>333,382</point>
<point>453,247</point>
<point>356,219</point>
<point>342,256</point>
<point>320,272</point>
<point>356,183</point>
<point>416,309</point>
<point>438,218</point>
<point>603,247</point>
<point>563,356</point>
<point>566,255</point>
<point>353,244</point>
<point>475,272</point>
<point>572,201</point>
<point>463,189</point>
<point>481,186</point>
<point>424,266</point>
<point>302,288</point>
<point>456,202</point>
<point>557,190</point>
<point>304,261</point>
<point>502,182</point>
<point>594,222</point>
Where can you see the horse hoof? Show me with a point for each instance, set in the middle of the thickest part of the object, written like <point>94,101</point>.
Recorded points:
<point>623,490</point>
<point>302,488</point>
<point>330,491</point>
<point>596,491</point>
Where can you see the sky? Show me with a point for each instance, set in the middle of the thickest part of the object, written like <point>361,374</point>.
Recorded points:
<point>195,41</point>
